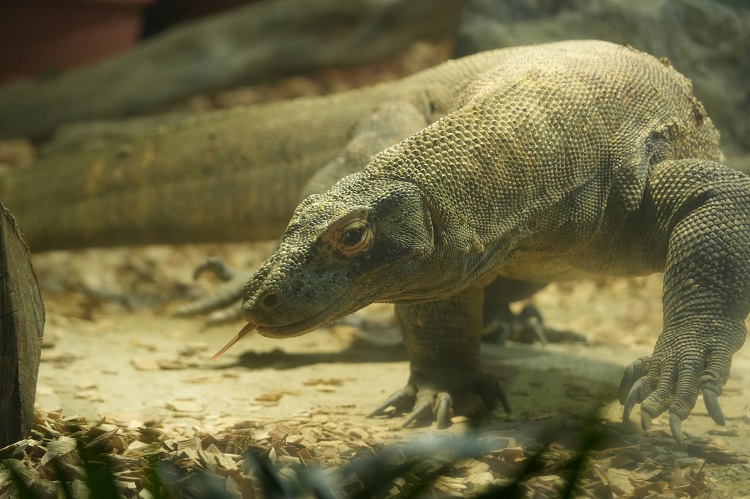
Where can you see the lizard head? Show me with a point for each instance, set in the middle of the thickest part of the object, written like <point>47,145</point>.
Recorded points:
<point>360,242</point>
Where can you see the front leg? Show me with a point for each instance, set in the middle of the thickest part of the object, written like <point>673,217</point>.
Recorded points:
<point>442,339</point>
<point>706,293</point>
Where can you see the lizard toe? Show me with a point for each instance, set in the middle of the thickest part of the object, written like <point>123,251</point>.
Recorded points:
<point>428,403</point>
<point>637,393</point>
<point>426,399</point>
<point>711,381</point>
<point>440,405</point>
<point>422,410</point>
<point>635,371</point>
<point>661,395</point>
<point>531,315</point>
<point>444,410</point>
<point>646,420</point>
<point>686,387</point>
<point>525,327</point>
<point>400,400</point>
<point>671,380</point>
<point>675,426</point>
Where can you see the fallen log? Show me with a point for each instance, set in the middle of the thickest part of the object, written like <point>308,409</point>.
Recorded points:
<point>259,42</point>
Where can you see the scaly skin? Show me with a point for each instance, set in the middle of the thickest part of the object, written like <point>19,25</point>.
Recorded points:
<point>571,159</point>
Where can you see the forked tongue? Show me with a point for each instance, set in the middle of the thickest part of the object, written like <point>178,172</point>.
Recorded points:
<point>249,328</point>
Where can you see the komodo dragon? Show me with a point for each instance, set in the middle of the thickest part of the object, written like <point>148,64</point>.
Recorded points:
<point>528,165</point>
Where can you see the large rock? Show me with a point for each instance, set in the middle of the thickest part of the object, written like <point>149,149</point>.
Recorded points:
<point>707,40</point>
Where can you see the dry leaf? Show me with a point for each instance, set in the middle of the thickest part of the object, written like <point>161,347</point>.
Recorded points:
<point>185,405</point>
<point>145,364</point>
<point>620,481</point>
<point>269,397</point>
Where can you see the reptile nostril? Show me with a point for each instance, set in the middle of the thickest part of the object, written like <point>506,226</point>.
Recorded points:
<point>270,299</point>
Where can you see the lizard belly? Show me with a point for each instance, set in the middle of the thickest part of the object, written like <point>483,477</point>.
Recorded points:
<point>541,267</point>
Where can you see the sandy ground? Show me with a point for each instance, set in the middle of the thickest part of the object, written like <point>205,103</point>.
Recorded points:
<point>134,364</point>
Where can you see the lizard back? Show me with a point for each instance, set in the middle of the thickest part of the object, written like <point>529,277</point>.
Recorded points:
<point>544,147</point>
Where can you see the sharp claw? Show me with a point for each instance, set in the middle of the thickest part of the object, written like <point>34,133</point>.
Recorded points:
<point>536,322</point>
<point>630,402</point>
<point>626,383</point>
<point>711,401</point>
<point>444,410</point>
<point>541,336</point>
<point>416,413</point>
<point>675,425</point>
<point>530,311</point>
<point>645,420</point>
<point>392,401</point>
<point>635,371</point>
<point>381,408</point>
<point>395,400</point>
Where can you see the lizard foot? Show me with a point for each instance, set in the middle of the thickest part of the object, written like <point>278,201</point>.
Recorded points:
<point>223,304</point>
<point>426,401</point>
<point>526,326</point>
<point>672,379</point>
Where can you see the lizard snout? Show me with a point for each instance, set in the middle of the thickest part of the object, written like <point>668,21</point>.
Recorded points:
<point>281,308</point>
<point>258,309</point>
<point>269,302</point>
<point>269,299</point>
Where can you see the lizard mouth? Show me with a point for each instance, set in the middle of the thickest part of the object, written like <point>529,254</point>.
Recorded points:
<point>304,326</point>
<point>287,331</point>
<point>328,314</point>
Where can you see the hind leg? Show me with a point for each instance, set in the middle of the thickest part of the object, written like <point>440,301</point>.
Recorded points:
<point>501,323</point>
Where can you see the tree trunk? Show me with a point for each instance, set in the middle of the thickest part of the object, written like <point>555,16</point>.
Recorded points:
<point>21,328</point>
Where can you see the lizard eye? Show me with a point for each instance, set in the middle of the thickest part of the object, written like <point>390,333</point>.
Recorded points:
<point>352,237</point>
<point>349,235</point>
